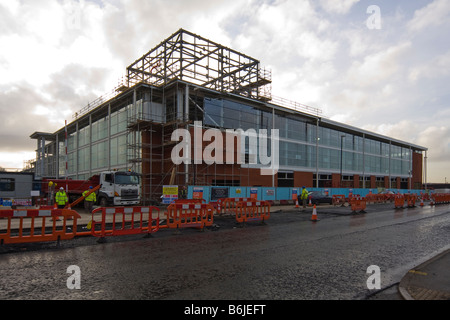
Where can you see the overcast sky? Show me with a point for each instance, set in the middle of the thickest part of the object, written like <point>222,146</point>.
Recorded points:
<point>379,65</point>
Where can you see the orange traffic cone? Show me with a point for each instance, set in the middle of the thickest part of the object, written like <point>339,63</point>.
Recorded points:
<point>55,207</point>
<point>309,204</point>
<point>421,201</point>
<point>314,215</point>
<point>296,203</point>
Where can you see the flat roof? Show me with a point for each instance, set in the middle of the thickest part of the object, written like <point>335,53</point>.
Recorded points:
<point>46,135</point>
<point>268,104</point>
<point>370,134</point>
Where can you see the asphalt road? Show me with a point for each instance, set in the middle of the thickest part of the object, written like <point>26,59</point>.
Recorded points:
<point>289,258</point>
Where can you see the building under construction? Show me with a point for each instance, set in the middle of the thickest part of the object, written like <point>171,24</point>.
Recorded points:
<point>188,78</point>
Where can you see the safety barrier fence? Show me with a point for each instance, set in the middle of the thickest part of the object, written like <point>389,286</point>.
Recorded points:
<point>41,202</point>
<point>228,205</point>
<point>35,225</point>
<point>189,215</point>
<point>119,221</point>
<point>48,224</point>
<point>440,198</point>
<point>358,203</point>
<point>401,199</point>
<point>338,199</point>
<point>252,211</point>
<point>425,196</point>
<point>378,198</point>
<point>410,199</point>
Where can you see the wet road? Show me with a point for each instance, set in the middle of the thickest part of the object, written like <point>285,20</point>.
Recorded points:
<point>289,258</point>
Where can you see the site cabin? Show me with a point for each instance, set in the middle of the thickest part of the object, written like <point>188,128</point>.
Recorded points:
<point>118,188</point>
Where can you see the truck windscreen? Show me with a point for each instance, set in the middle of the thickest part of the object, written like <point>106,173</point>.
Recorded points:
<point>126,179</point>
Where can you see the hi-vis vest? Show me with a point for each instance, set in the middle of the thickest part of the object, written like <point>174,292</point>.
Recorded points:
<point>304,194</point>
<point>90,197</point>
<point>61,198</point>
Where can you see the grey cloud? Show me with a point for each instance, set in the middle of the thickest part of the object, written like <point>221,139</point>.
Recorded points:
<point>75,86</point>
<point>18,121</point>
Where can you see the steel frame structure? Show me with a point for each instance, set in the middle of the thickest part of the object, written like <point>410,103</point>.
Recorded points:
<point>194,59</point>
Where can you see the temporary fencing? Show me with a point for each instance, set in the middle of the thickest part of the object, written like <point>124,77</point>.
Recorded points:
<point>119,221</point>
<point>440,198</point>
<point>338,199</point>
<point>189,215</point>
<point>399,201</point>
<point>425,196</point>
<point>35,225</point>
<point>41,202</point>
<point>252,211</point>
<point>228,205</point>
<point>410,200</point>
<point>376,198</point>
<point>358,204</point>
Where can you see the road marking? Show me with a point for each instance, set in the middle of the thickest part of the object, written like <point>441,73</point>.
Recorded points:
<point>418,272</point>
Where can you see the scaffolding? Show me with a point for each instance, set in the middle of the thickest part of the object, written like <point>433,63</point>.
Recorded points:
<point>170,75</point>
<point>188,57</point>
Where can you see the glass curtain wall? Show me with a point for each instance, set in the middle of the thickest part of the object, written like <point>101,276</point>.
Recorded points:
<point>298,142</point>
<point>100,143</point>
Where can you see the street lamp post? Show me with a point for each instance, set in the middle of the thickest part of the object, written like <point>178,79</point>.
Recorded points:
<point>340,178</point>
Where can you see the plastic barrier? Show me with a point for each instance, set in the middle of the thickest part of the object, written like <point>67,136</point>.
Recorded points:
<point>198,215</point>
<point>252,211</point>
<point>440,198</point>
<point>377,198</point>
<point>34,225</point>
<point>410,200</point>
<point>119,221</point>
<point>425,196</point>
<point>399,201</point>
<point>228,205</point>
<point>338,199</point>
<point>41,202</point>
<point>358,204</point>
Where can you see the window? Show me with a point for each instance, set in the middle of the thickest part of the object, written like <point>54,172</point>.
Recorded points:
<point>123,178</point>
<point>7,184</point>
<point>227,183</point>
<point>83,159</point>
<point>285,179</point>
<point>99,155</point>
<point>118,153</point>
<point>109,177</point>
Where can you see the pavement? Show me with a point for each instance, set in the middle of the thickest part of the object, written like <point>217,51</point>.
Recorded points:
<point>428,281</point>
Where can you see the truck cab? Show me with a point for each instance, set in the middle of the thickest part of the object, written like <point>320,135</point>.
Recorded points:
<point>119,188</point>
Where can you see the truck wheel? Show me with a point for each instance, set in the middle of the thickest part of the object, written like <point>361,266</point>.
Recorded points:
<point>103,202</point>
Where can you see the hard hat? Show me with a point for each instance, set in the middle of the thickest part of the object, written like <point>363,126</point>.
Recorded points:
<point>90,187</point>
<point>61,188</point>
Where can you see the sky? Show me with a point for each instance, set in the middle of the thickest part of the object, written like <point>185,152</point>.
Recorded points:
<point>383,66</point>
